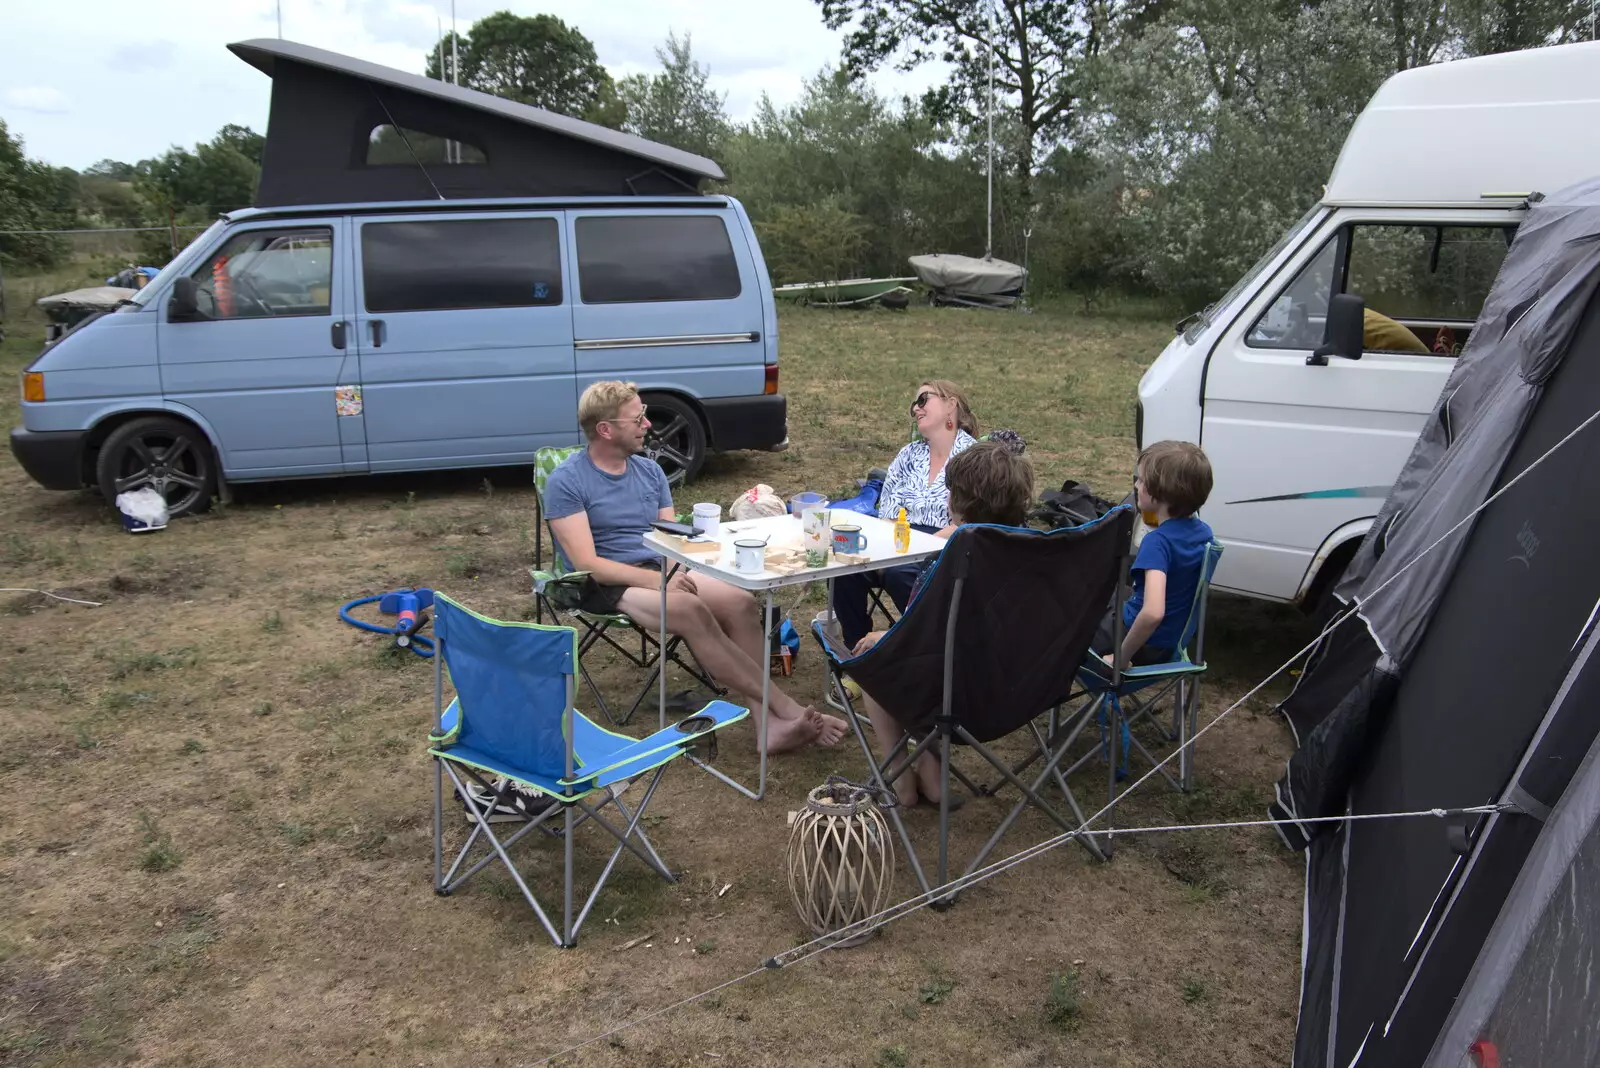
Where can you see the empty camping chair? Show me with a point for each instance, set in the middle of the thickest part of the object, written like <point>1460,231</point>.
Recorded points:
<point>511,726</point>
<point>596,628</point>
<point>992,642</point>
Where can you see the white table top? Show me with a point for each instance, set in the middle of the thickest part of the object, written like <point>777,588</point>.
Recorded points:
<point>784,530</point>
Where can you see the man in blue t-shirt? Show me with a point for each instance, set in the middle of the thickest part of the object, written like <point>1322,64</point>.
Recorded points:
<point>1174,480</point>
<point>601,502</point>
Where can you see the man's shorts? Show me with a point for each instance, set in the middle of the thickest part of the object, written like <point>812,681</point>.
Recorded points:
<point>601,600</point>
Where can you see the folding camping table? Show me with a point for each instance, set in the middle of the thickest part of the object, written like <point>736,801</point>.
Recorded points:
<point>781,531</point>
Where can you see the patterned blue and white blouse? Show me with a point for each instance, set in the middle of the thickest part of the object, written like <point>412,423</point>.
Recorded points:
<point>907,484</point>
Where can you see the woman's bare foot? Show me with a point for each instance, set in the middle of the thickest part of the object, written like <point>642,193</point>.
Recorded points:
<point>833,728</point>
<point>787,735</point>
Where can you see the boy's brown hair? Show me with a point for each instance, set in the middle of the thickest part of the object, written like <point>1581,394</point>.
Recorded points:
<point>1178,475</point>
<point>989,483</point>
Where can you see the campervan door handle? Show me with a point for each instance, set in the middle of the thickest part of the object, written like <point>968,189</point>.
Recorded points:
<point>378,332</point>
<point>338,334</point>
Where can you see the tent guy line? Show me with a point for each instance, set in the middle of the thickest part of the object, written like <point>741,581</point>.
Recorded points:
<point>807,950</point>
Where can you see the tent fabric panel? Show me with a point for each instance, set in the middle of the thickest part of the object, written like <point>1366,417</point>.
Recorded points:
<point>1531,992</point>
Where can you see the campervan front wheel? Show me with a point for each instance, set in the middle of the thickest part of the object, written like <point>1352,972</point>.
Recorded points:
<point>168,455</point>
<point>677,437</point>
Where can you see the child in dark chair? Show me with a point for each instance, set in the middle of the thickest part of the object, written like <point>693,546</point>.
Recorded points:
<point>988,483</point>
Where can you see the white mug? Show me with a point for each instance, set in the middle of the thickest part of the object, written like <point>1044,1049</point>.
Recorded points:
<point>707,519</point>
<point>750,556</point>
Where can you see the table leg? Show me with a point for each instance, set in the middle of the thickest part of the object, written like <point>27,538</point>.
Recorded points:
<point>766,694</point>
<point>661,650</point>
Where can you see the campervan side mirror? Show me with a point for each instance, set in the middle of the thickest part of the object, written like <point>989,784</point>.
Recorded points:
<point>184,305</point>
<point>1343,336</point>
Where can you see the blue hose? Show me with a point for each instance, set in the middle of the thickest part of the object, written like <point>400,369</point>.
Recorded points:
<point>420,644</point>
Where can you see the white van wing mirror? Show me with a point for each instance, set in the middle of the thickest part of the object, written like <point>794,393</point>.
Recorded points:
<point>1344,332</point>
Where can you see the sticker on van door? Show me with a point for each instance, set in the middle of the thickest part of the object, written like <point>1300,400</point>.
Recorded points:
<point>347,400</point>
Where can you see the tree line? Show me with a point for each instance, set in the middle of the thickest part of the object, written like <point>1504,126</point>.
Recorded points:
<point>1150,146</point>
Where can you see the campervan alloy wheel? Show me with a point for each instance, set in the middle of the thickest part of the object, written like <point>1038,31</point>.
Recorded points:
<point>168,455</point>
<point>677,438</point>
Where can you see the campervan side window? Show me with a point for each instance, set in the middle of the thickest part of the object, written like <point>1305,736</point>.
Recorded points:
<point>639,258</point>
<point>268,273</point>
<point>451,264</point>
<point>387,146</point>
<point>1426,284</point>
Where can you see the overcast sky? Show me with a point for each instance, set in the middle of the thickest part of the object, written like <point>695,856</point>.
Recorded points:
<point>85,80</point>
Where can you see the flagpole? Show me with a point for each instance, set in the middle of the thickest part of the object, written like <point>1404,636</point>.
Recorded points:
<point>988,249</point>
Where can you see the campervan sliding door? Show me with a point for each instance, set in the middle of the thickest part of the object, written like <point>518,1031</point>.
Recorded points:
<point>1304,455</point>
<point>465,335</point>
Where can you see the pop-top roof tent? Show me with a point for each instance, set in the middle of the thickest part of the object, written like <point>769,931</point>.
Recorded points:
<point>329,111</point>
<point>1469,676</point>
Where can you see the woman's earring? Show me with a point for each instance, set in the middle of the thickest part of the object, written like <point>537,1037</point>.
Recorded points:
<point>948,425</point>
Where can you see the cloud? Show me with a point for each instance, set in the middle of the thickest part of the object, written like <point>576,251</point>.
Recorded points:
<point>144,57</point>
<point>39,99</point>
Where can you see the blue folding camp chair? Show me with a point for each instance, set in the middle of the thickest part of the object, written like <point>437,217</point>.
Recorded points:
<point>511,725</point>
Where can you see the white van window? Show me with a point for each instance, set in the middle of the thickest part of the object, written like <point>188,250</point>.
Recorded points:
<point>261,273</point>
<point>1296,319</point>
<point>1422,287</point>
<point>635,258</point>
<point>454,264</point>
<point>389,145</point>
<point>1425,272</point>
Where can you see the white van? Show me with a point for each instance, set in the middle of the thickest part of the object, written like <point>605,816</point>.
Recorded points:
<point>1308,403</point>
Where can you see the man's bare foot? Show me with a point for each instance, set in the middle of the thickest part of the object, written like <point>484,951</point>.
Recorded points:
<point>787,735</point>
<point>833,728</point>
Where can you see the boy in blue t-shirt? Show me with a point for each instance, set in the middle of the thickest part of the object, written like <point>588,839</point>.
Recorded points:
<point>1174,480</point>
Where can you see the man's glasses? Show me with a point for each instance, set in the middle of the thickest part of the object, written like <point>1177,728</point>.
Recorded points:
<point>638,423</point>
<point>922,400</point>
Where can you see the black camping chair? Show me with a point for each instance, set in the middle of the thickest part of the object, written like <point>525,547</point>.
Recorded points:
<point>992,642</point>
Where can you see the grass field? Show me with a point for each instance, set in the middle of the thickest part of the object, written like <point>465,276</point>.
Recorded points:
<point>214,803</point>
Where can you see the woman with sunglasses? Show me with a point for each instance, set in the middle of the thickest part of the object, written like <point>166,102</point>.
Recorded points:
<point>915,482</point>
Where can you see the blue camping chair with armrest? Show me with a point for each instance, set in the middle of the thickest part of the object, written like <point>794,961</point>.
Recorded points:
<point>1126,703</point>
<point>595,628</point>
<point>511,724</point>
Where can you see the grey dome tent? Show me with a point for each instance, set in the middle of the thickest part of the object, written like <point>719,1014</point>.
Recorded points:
<point>1469,675</point>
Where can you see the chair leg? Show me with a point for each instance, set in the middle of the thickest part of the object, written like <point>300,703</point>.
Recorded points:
<point>438,824</point>
<point>1030,796</point>
<point>481,824</point>
<point>881,783</point>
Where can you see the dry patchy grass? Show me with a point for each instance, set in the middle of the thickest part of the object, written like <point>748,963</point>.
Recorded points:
<point>214,841</point>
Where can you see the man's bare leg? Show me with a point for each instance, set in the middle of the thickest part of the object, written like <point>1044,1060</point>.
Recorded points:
<point>688,615</point>
<point>739,614</point>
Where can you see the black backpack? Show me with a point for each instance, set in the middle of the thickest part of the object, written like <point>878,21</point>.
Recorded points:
<point>1073,505</point>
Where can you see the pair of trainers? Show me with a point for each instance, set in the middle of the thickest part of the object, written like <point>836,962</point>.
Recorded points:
<point>516,805</point>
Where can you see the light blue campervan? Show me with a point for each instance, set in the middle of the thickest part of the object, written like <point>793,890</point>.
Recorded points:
<point>433,276</point>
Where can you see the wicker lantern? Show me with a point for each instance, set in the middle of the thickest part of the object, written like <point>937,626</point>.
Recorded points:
<point>841,860</point>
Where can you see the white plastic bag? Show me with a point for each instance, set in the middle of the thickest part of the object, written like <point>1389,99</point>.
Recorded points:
<point>757,502</point>
<point>145,506</point>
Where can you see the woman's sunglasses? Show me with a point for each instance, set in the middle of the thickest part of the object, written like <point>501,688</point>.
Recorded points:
<point>922,400</point>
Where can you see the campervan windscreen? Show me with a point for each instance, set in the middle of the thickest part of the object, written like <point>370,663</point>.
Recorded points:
<point>1203,320</point>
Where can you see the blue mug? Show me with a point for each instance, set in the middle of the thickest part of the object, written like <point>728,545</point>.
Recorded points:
<point>848,539</point>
